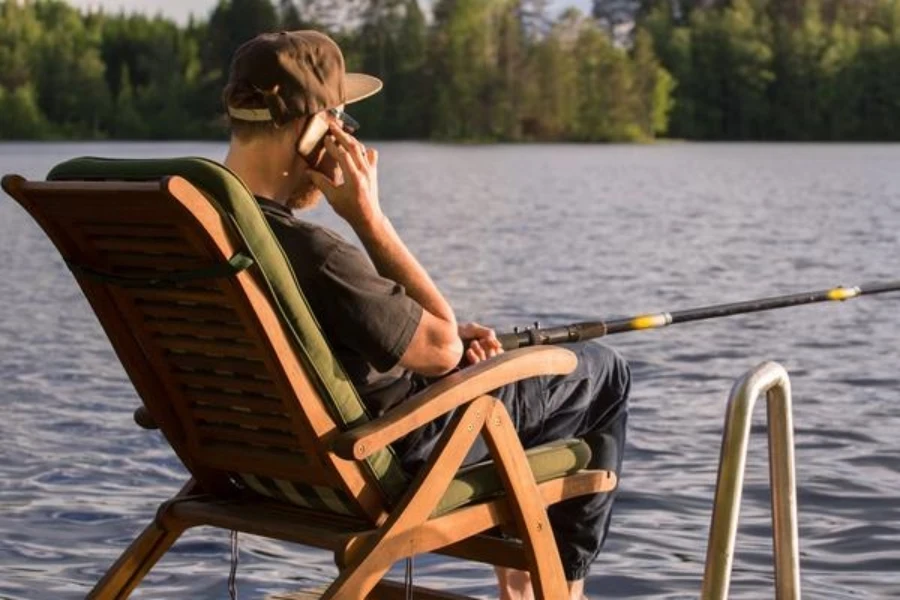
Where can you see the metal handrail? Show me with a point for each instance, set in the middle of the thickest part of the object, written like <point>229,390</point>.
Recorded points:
<point>769,378</point>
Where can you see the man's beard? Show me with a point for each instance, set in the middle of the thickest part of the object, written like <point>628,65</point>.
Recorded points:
<point>303,199</point>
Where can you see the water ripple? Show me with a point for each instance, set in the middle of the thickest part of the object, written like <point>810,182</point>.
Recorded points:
<point>553,234</point>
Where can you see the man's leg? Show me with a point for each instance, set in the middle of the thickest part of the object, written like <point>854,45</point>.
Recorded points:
<point>516,585</point>
<point>590,403</point>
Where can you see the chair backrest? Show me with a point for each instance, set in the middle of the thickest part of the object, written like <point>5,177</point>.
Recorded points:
<point>205,313</point>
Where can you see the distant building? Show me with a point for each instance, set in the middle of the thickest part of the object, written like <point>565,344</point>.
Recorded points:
<point>617,17</point>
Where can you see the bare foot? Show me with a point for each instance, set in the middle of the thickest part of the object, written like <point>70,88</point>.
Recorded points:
<point>514,584</point>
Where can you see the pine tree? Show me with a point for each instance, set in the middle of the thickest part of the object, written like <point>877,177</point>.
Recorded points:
<point>289,15</point>
<point>127,121</point>
<point>232,23</point>
<point>653,85</point>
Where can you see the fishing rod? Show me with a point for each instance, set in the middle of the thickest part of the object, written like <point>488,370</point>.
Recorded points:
<point>537,335</point>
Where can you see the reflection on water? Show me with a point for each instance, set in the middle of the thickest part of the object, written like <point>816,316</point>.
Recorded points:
<point>513,234</point>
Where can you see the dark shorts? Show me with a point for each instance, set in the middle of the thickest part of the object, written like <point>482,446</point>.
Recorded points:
<point>589,403</point>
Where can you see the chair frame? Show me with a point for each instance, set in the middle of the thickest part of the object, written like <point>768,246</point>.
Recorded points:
<point>365,547</point>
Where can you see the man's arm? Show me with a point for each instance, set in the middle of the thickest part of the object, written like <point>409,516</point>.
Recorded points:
<point>435,347</point>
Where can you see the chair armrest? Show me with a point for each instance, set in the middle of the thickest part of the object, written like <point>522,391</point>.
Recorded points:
<point>451,392</point>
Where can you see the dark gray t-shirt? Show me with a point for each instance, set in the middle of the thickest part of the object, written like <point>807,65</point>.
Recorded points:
<point>367,319</point>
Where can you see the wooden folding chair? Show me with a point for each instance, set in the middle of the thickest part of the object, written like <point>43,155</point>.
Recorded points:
<point>202,308</point>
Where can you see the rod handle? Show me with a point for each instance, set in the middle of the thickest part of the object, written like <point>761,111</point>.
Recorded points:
<point>513,340</point>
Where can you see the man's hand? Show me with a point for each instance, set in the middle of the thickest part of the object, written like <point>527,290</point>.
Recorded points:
<point>481,342</point>
<point>356,199</point>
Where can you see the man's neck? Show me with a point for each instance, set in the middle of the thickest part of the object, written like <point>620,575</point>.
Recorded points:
<point>263,176</point>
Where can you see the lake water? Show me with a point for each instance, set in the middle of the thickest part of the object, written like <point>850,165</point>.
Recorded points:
<point>513,234</point>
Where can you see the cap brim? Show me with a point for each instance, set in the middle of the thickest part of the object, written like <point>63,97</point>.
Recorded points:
<point>358,86</point>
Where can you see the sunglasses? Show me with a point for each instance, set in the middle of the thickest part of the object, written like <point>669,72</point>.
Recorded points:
<point>348,123</point>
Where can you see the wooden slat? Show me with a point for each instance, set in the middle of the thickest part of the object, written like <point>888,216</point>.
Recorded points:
<point>132,271</point>
<point>272,519</point>
<point>207,291</point>
<point>221,433</point>
<point>144,245</point>
<point>224,365</point>
<point>207,296</point>
<point>238,417</point>
<point>195,329</point>
<point>208,347</point>
<point>213,314</point>
<point>227,382</point>
<point>277,463</point>
<point>169,262</point>
<point>125,230</point>
<point>70,209</point>
<point>501,552</point>
<point>252,402</point>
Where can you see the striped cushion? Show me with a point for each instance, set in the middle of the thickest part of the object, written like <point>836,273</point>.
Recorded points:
<point>471,484</point>
<point>314,497</point>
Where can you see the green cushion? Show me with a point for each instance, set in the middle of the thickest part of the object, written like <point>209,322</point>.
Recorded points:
<point>232,198</point>
<point>472,484</point>
<point>481,481</point>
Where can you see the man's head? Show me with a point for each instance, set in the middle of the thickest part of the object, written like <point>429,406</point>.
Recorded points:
<point>279,85</point>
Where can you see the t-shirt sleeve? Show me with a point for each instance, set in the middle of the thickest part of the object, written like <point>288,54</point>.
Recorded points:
<point>370,313</point>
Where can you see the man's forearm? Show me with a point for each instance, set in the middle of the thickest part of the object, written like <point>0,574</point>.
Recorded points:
<point>393,260</point>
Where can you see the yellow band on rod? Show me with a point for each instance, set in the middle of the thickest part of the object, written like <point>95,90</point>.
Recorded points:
<point>843,293</point>
<point>651,321</point>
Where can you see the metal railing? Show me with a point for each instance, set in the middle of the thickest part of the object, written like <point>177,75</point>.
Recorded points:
<point>769,378</point>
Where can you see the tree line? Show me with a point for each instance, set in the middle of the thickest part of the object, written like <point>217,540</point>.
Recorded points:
<point>782,69</point>
<point>475,70</point>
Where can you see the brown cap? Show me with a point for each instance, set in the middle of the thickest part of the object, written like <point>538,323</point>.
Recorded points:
<point>280,76</point>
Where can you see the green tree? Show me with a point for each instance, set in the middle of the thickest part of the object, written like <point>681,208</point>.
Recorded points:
<point>608,101</point>
<point>20,117</point>
<point>731,72</point>
<point>504,95</point>
<point>799,108</point>
<point>672,43</point>
<point>68,71</point>
<point>20,32</point>
<point>374,50</point>
<point>127,122</point>
<point>289,16</point>
<point>461,50</point>
<point>232,23</point>
<point>551,104</point>
<point>410,91</point>
<point>654,86</point>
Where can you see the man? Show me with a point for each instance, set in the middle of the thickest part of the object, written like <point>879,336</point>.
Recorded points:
<point>386,320</point>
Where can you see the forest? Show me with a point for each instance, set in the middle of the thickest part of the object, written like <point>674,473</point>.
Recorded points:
<point>476,70</point>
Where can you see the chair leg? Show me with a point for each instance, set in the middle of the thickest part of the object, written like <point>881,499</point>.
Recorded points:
<point>144,552</point>
<point>371,561</point>
<point>526,504</point>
